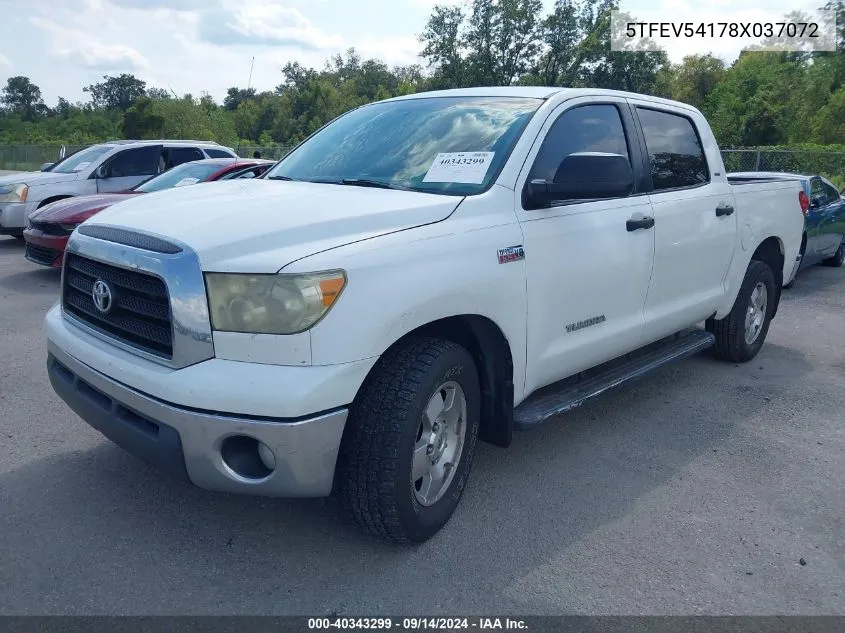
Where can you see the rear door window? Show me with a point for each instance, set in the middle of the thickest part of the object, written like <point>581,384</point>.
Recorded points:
<point>218,153</point>
<point>180,155</point>
<point>674,150</point>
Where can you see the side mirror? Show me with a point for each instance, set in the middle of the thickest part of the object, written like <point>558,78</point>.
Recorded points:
<point>101,172</point>
<point>585,176</point>
<point>46,166</point>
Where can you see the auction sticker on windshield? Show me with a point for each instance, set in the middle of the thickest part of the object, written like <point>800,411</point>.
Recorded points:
<point>187,181</point>
<point>81,166</point>
<point>460,167</point>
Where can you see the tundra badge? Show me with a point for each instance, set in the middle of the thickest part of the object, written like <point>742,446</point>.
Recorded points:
<point>580,325</point>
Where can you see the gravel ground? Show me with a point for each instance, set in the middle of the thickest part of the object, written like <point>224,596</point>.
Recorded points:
<point>699,490</point>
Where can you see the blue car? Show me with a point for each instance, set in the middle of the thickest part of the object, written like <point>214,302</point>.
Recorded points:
<point>824,218</point>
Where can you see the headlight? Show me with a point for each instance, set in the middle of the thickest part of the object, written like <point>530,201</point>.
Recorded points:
<point>13,193</point>
<point>271,304</point>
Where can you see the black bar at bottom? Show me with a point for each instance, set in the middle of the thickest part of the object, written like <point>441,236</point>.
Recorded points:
<point>534,624</point>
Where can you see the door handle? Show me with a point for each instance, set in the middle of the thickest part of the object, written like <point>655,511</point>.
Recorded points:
<point>724,209</point>
<point>639,223</point>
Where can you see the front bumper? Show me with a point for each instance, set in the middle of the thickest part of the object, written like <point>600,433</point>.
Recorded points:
<point>44,249</point>
<point>190,443</point>
<point>13,216</point>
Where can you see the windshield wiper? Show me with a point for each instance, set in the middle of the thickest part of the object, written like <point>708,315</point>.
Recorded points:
<point>364,182</point>
<point>280,178</point>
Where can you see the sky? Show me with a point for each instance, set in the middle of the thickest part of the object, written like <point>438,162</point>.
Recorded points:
<point>206,46</point>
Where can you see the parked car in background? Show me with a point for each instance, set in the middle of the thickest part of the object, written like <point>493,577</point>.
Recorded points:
<point>824,218</point>
<point>48,228</point>
<point>102,168</point>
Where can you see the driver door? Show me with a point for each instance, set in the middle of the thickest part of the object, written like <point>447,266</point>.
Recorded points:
<point>129,167</point>
<point>588,270</point>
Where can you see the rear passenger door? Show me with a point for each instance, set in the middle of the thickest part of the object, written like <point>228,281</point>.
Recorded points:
<point>695,225</point>
<point>587,272</point>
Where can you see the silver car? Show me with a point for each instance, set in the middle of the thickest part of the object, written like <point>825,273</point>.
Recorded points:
<point>102,168</point>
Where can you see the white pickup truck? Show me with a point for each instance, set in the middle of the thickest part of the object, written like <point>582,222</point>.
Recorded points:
<point>421,273</point>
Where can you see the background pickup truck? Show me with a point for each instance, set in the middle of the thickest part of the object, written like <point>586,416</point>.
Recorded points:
<point>419,274</point>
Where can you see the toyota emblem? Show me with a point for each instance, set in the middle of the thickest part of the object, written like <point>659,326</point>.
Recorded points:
<point>102,296</point>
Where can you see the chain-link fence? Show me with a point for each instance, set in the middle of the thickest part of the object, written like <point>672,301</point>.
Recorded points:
<point>830,164</point>
<point>31,157</point>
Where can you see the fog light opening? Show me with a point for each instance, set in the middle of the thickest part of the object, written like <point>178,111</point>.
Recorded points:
<point>247,457</point>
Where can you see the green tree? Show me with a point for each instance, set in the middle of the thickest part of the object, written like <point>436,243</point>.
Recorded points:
<point>692,80</point>
<point>23,98</point>
<point>502,40</point>
<point>116,92</point>
<point>755,103</point>
<point>236,96</point>
<point>561,36</point>
<point>829,123</point>
<point>442,46</point>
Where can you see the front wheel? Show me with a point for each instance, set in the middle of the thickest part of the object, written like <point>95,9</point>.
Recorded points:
<point>740,335</point>
<point>410,439</point>
<point>838,258</point>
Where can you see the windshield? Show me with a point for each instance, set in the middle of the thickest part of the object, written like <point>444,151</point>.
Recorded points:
<point>180,176</point>
<point>446,145</point>
<point>81,160</point>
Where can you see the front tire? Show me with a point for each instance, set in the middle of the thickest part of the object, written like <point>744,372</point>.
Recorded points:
<point>740,335</point>
<point>410,440</point>
<point>838,258</point>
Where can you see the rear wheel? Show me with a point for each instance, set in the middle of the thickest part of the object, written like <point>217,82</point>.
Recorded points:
<point>838,258</point>
<point>410,440</point>
<point>740,335</point>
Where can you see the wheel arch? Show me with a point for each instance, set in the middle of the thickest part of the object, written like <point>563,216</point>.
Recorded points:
<point>491,351</point>
<point>52,199</point>
<point>771,252</point>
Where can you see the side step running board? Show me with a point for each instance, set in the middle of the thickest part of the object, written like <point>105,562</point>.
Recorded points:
<point>572,392</point>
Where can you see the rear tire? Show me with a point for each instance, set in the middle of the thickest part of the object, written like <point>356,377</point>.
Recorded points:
<point>399,424</point>
<point>740,335</point>
<point>838,259</point>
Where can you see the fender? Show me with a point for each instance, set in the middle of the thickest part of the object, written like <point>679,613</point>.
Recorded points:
<point>769,228</point>
<point>401,282</point>
<point>770,250</point>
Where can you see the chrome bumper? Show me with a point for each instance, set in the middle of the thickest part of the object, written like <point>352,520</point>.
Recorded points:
<point>214,451</point>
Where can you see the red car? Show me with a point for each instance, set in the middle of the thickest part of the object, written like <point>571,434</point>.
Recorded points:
<point>49,228</point>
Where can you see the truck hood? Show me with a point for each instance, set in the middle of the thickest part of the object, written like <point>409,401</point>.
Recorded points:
<point>32,178</point>
<point>260,226</point>
<point>72,210</point>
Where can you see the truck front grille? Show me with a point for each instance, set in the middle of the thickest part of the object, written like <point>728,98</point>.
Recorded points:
<point>136,310</point>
